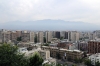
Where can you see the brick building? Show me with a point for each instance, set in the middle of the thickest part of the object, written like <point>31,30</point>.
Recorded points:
<point>93,47</point>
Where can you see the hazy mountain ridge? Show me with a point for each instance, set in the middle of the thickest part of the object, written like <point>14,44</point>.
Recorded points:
<point>49,25</point>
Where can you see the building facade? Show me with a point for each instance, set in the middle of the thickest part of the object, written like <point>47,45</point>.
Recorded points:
<point>40,37</point>
<point>93,47</point>
<point>48,36</point>
<point>63,54</point>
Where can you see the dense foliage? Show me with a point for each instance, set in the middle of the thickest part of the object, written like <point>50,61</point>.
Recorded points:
<point>10,57</point>
<point>35,60</point>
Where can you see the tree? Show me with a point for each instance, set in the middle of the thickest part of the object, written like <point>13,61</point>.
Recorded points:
<point>19,38</point>
<point>35,60</point>
<point>87,62</point>
<point>61,38</point>
<point>97,64</point>
<point>10,57</point>
<point>58,64</point>
<point>46,44</point>
<point>76,60</point>
<point>65,64</point>
<point>46,64</point>
<point>85,54</point>
<point>74,65</point>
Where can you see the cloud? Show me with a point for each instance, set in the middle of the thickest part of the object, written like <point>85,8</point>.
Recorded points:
<point>68,10</point>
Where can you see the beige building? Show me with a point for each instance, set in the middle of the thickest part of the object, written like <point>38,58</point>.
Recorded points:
<point>6,36</point>
<point>63,54</point>
<point>13,36</point>
<point>18,33</point>
<point>74,36</point>
<point>32,35</point>
<point>48,36</point>
<point>40,37</point>
<point>44,54</point>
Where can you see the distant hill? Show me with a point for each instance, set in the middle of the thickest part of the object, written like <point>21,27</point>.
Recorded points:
<point>49,25</point>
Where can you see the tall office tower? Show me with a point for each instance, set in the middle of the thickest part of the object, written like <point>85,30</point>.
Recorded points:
<point>57,34</point>
<point>32,35</point>
<point>66,35</point>
<point>25,36</point>
<point>74,36</point>
<point>48,36</point>
<point>40,37</point>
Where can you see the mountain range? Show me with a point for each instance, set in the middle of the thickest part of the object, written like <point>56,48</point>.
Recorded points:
<point>49,24</point>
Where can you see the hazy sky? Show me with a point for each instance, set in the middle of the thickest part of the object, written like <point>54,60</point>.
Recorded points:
<point>68,10</point>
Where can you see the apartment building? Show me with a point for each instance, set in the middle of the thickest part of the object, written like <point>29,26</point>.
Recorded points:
<point>66,35</point>
<point>48,36</point>
<point>13,36</point>
<point>18,33</point>
<point>74,36</point>
<point>0,36</point>
<point>93,47</point>
<point>32,35</point>
<point>25,36</point>
<point>44,54</point>
<point>40,37</point>
<point>63,54</point>
<point>57,34</point>
<point>83,46</point>
<point>94,58</point>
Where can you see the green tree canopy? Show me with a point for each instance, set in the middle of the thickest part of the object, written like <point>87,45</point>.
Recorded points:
<point>35,60</point>
<point>19,38</point>
<point>97,63</point>
<point>87,62</point>
<point>10,57</point>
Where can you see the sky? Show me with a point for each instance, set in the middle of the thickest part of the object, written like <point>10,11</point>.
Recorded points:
<point>69,10</point>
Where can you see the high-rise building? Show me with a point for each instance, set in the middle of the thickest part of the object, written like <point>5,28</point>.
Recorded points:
<point>67,35</point>
<point>62,34</point>
<point>40,37</point>
<point>32,35</point>
<point>57,34</point>
<point>5,35</point>
<point>0,36</point>
<point>13,36</point>
<point>74,36</point>
<point>18,33</point>
<point>25,36</point>
<point>48,36</point>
